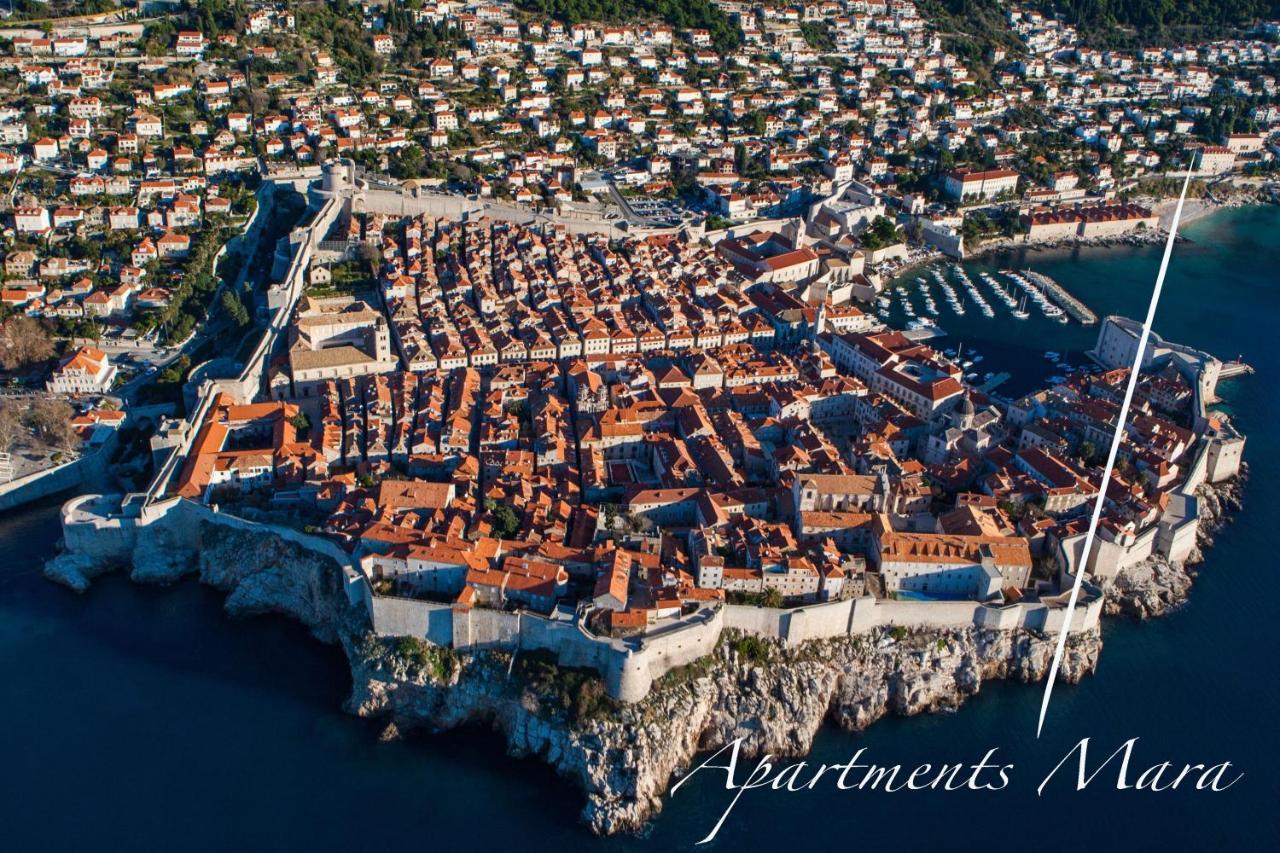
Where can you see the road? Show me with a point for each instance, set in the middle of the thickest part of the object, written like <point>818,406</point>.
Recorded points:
<point>620,200</point>
<point>215,320</point>
<point>173,59</point>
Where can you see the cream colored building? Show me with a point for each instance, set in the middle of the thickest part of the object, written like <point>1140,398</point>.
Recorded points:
<point>337,337</point>
<point>936,564</point>
<point>86,371</point>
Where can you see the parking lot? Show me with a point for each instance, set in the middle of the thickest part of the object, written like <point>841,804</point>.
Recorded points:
<point>654,212</point>
<point>647,212</point>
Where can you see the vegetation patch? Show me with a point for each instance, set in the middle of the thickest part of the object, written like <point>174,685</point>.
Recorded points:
<point>420,657</point>
<point>750,647</point>
<point>575,693</point>
<point>1128,24</point>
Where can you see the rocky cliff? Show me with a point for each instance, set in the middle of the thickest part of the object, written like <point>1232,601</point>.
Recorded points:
<point>77,571</point>
<point>260,573</point>
<point>268,574</point>
<point>774,697</point>
<point>624,757</point>
<point>1156,585</point>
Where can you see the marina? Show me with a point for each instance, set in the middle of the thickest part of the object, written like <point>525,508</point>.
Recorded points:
<point>1069,303</point>
<point>1027,312</point>
<point>993,381</point>
<point>1019,292</point>
<point>951,294</point>
<point>1037,297</point>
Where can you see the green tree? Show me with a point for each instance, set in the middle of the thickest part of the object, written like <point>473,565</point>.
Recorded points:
<point>1087,452</point>
<point>753,123</point>
<point>235,308</point>
<point>816,35</point>
<point>882,232</point>
<point>505,522</point>
<point>1127,23</point>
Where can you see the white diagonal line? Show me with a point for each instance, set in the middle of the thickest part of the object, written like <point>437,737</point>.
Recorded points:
<point>1111,455</point>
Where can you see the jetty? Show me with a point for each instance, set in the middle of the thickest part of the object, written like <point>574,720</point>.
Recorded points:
<point>1064,299</point>
<point>926,334</point>
<point>993,383</point>
<point>1234,368</point>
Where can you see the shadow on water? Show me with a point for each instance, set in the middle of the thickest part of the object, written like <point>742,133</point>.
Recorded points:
<point>169,715</point>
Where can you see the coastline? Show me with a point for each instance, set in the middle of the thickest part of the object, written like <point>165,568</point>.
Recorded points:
<point>774,697</point>
<point>624,757</point>
<point>1156,586</point>
<point>537,718</point>
<point>1193,210</point>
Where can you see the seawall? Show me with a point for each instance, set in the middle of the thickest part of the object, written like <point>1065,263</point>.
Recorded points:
<point>165,540</point>
<point>85,469</point>
<point>162,540</point>
<point>630,666</point>
<point>775,696</point>
<point>717,681</point>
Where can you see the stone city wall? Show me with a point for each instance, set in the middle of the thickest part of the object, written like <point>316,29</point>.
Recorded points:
<point>109,530</point>
<point>407,617</point>
<point>90,527</point>
<point>1173,536</point>
<point>856,616</point>
<point>50,481</point>
<point>630,666</point>
<point>102,528</point>
<point>248,385</point>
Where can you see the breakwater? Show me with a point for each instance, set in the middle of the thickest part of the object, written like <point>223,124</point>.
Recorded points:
<point>1073,306</point>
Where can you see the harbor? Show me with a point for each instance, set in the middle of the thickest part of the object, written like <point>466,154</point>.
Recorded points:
<point>1073,306</point>
<point>994,382</point>
<point>998,308</point>
<point>954,287</point>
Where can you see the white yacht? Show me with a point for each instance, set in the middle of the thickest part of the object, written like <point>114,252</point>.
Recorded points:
<point>1020,313</point>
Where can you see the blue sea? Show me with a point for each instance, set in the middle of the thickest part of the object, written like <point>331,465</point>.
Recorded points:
<point>136,718</point>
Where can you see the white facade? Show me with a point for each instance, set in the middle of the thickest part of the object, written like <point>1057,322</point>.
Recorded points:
<point>87,371</point>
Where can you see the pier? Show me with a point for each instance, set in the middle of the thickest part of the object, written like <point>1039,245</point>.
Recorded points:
<point>1065,300</point>
<point>993,383</point>
<point>1234,368</point>
<point>925,334</point>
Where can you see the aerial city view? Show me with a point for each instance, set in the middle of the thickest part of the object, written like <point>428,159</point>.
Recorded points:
<point>592,402</point>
